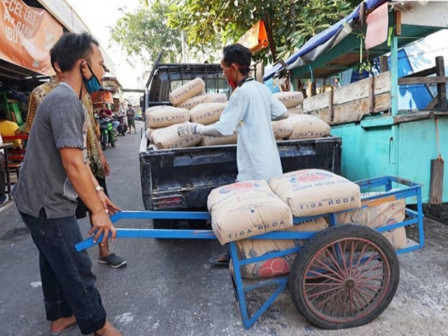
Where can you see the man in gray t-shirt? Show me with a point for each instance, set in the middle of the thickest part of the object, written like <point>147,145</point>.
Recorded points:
<point>43,182</point>
<point>53,175</point>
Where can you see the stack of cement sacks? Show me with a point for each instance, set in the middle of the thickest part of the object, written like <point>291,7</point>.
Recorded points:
<point>190,103</point>
<point>297,125</point>
<point>244,209</point>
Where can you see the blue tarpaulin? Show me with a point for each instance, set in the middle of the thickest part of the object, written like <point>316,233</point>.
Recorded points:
<point>322,41</point>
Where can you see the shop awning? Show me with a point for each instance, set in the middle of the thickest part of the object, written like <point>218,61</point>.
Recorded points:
<point>323,41</point>
<point>255,38</point>
<point>27,35</point>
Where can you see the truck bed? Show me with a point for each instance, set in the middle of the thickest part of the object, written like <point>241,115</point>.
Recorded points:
<point>181,179</point>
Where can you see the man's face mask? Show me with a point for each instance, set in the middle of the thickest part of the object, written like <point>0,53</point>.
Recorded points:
<point>92,84</point>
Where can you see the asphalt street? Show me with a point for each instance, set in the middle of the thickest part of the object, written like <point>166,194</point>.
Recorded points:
<point>169,288</point>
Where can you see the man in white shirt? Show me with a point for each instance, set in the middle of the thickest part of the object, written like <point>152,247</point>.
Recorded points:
<point>250,110</point>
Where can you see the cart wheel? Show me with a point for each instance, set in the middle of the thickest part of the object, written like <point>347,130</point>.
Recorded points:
<point>344,277</point>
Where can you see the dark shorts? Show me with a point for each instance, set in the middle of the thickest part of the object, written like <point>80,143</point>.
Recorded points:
<point>81,210</point>
<point>131,122</point>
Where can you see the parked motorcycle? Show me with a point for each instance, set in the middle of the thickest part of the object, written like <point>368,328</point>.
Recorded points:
<point>108,135</point>
<point>122,127</point>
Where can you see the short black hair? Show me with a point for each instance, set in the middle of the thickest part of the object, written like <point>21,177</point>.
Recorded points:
<point>70,48</point>
<point>4,115</point>
<point>238,54</point>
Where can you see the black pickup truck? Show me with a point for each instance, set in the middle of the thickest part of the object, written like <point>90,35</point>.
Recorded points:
<point>181,179</point>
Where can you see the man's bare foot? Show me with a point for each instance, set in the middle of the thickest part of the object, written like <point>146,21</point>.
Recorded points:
<point>107,330</point>
<point>62,324</point>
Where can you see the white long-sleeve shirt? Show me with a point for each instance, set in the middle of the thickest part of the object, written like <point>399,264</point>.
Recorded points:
<point>250,110</point>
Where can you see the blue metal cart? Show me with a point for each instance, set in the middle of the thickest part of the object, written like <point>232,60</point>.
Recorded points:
<point>342,277</point>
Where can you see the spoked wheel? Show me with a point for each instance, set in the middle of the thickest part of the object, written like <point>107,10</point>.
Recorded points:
<point>344,277</point>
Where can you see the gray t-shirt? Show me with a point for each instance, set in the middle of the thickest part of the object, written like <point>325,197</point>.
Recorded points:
<point>43,183</point>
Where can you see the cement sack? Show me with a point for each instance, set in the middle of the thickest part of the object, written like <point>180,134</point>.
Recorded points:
<point>207,113</point>
<point>290,99</point>
<point>282,128</point>
<point>148,132</point>
<point>388,213</point>
<point>188,90</point>
<point>216,98</point>
<point>216,141</point>
<point>192,102</point>
<point>167,116</point>
<point>312,192</point>
<point>167,137</point>
<point>309,127</point>
<point>295,110</point>
<point>248,248</point>
<point>149,110</point>
<point>246,209</point>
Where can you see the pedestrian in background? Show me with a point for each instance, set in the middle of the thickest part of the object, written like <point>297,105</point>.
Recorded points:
<point>130,114</point>
<point>49,185</point>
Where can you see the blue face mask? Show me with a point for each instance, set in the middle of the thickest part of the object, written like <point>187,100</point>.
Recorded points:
<point>92,84</point>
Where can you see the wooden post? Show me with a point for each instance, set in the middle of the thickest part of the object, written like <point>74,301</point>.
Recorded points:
<point>441,87</point>
<point>330,105</point>
<point>436,182</point>
<point>398,22</point>
<point>371,94</point>
<point>384,64</point>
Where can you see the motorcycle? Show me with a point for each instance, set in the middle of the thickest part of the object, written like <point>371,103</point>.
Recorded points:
<point>122,127</point>
<point>108,135</point>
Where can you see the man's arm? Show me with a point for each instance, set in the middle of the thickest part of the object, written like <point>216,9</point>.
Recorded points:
<point>103,159</point>
<point>82,181</point>
<point>188,128</point>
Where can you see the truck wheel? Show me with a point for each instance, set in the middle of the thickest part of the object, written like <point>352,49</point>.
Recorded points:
<point>344,277</point>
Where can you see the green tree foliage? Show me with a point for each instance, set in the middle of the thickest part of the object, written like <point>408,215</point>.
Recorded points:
<point>288,23</point>
<point>210,24</point>
<point>145,33</point>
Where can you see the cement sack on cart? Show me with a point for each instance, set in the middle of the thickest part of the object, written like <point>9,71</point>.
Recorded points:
<point>290,99</point>
<point>186,91</point>
<point>193,102</point>
<point>248,248</point>
<point>246,209</point>
<point>388,213</point>
<point>308,127</point>
<point>311,192</point>
<point>167,116</point>
<point>207,113</point>
<point>216,98</point>
<point>167,137</point>
<point>216,141</point>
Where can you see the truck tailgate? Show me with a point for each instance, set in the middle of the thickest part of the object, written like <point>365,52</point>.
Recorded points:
<point>179,179</point>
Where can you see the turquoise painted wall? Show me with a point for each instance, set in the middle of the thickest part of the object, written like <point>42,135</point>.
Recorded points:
<point>404,150</point>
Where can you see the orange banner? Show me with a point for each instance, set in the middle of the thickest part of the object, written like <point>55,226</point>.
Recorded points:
<point>255,38</point>
<point>27,35</point>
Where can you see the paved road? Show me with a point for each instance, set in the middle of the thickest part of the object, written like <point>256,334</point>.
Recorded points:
<point>168,287</point>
